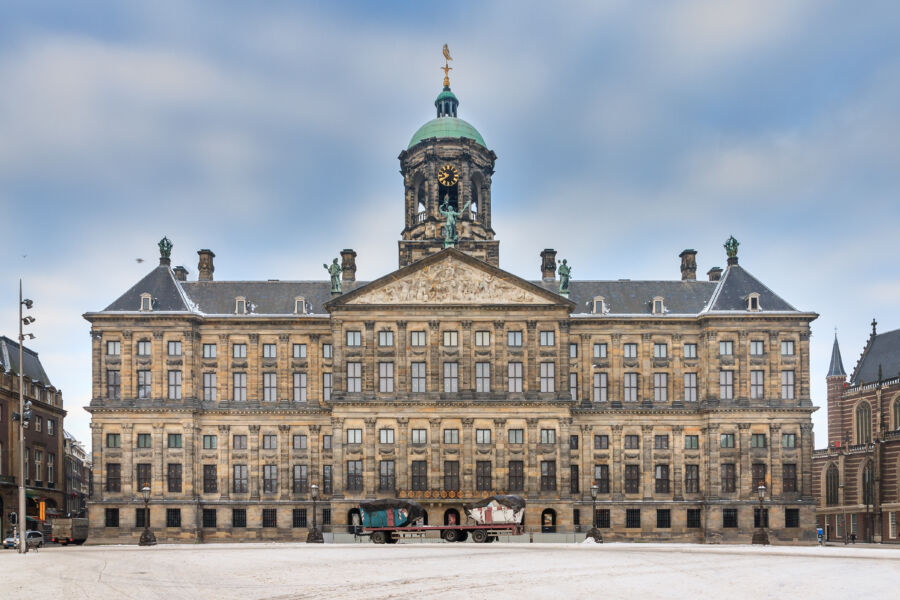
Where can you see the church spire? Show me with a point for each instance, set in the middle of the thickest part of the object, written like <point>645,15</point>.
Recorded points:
<point>836,368</point>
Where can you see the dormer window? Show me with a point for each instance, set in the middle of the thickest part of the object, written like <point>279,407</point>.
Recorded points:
<point>299,305</point>
<point>146,302</point>
<point>240,305</point>
<point>658,306</point>
<point>753,301</point>
<point>599,306</point>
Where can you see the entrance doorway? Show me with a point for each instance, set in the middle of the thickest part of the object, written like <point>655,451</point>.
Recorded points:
<point>548,521</point>
<point>451,516</point>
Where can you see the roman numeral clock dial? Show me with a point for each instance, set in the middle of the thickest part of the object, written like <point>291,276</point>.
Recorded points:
<point>448,175</point>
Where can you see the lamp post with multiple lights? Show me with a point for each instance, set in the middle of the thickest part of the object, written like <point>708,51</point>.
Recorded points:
<point>24,420</point>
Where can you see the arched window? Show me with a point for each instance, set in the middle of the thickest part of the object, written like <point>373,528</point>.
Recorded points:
<point>897,413</point>
<point>868,484</point>
<point>421,202</point>
<point>863,423</point>
<point>474,207</point>
<point>832,483</point>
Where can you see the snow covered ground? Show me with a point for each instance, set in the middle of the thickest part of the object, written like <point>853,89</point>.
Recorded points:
<point>520,571</point>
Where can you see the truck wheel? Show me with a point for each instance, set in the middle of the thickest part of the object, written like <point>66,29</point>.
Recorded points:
<point>391,539</point>
<point>378,537</point>
<point>479,536</point>
<point>451,535</point>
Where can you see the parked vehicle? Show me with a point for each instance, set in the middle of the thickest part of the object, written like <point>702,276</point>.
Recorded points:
<point>387,521</point>
<point>69,531</point>
<point>34,539</point>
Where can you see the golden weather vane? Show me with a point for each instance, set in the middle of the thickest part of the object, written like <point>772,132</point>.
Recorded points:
<point>447,68</point>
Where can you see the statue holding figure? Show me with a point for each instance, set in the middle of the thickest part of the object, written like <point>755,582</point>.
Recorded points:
<point>451,236</point>
<point>335,272</point>
<point>165,247</point>
<point>565,273</point>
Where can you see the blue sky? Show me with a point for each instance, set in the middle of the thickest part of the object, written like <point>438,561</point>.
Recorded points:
<point>625,132</point>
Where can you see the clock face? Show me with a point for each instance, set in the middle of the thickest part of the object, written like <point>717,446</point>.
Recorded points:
<point>448,175</point>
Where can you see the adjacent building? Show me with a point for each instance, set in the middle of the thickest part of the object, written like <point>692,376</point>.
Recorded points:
<point>43,439</point>
<point>857,477</point>
<point>450,379</point>
<point>78,477</point>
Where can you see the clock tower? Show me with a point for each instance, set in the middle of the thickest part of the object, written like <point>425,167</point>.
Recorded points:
<point>447,169</point>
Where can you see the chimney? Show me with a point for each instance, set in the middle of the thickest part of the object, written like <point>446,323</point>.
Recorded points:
<point>548,264</point>
<point>348,265</point>
<point>205,267</point>
<point>688,265</point>
<point>180,273</point>
<point>715,273</point>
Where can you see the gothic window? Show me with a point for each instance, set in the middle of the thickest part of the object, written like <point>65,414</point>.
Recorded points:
<point>868,484</point>
<point>897,413</point>
<point>832,484</point>
<point>863,423</point>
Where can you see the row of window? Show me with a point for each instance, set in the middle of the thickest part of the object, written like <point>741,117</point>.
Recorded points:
<point>210,517</point>
<point>34,459</point>
<point>174,348</point>
<point>240,478</point>
<point>630,386</point>
<point>693,518</point>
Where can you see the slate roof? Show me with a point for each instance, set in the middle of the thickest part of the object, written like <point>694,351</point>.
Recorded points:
<point>263,297</point>
<point>882,350</point>
<point>734,287</point>
<point>161,284</point>
<point>626,297</point>
<point>9,361</point>
<point>836,368</point>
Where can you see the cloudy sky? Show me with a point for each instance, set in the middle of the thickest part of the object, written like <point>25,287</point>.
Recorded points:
<point>625,132</point>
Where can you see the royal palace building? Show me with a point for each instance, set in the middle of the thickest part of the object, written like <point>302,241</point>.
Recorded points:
<point>450,379</point>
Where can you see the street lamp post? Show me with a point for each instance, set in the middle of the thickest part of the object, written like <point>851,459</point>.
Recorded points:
<point>314,536</point>
<point>595,531</point>
<point>147,537</point>
<point>24,417</point>
<point>760,536</point>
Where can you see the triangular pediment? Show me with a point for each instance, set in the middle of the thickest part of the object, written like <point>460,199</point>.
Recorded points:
<point>451,278</point>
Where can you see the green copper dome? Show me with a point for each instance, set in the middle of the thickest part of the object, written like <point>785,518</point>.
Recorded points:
<point>446,127</point>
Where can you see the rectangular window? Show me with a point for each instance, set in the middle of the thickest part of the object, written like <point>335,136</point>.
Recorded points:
<point>601,442</point>
<point>354,475</point>
<point>758,440</point>
<point>727,440</point>
<point>451,436</point>
<point>417,339</point>
<point>483,377</point>
<point>574,485</point>
<point>210,442</point>
<point>792,519</point>
<point>326,516</point>
<point>113,477</point>
<point>300,483</point>
<point>516,436</point>
<point>210,479</point>
<point>354,436</point>
<point>629,350</point>
<point>141,519</point>
<point>111,517</point>
<point>632,442</point>
<point>270,442</point>
<point>143,384</point>
<point>548,436</point>
<point>143,476</point>
<point>483,479</point>
<point>728,477</point>
<point>386,436</point>
<point>661,442</point>
<point>759,475</point>
<point>143,348</point>
<point>173,477</point>
<point>482,338</point>
<point>573,442</point>
<point>663,518</point>
<point>690,387</point>
<point>143,440</point>
<point>726,385</point>
<point>209,350</point>
<point>174,440</point>
<point>548,475</point>
<point>548,338</point>
<point>327,351</point>
<point>726,348</point>
<point>326,442</point>
<point>299,350</point>
<point>787,348</point>
<point>239,351</point>
<point>516,479</point>
<point>419,437</point>
<point>787,385</point>
<point>660,387</point>
<point>757,388</point>
<point>482,436</point>
<point>299,387</point>
<point>51,425</point>
<point>239,517</point>
<point>601,478</point>
<point>209,387</point>
<point>114,384</point>
<point>660,351</point>
<point>633,518</point>
<point>451,475</point>
<point>515,377</point>
<point>788,440</point>
<point>692,479</point>
<point>662,479</point>
<point>240,387</point>
<point>354,338</point>
<point>630,387</point>
<point>514,339</point>
<point>573,385</point>
<point>270,387</point>
<point>693,518</point>
<point>417,377</point>
<point>354,377</point>
<point>299,442</point>
<point>451,377</point>
<point>298,518</point>
<point>690,350</point>
<point>729,518</point>
<point>270,351</point>
<point>789,477</point>
<point>548,377</point>
<point>419,472</point>
<point>756,348</point>
<point>386,338</point>
<point>451,339</point>
<point>327,479</point>
<point>209,518</point>
<point>576,518</point>
<point>239,442</point>
<point>760,517</point>
<point>174,348</point>
<point>269,517</point>
<point>240,483</point>
<point>573,350</point>
<point>386,377</point>
<point>603,520</point>
<point>601,387</point>
<point>599,350</point>
<point>51,469</point>
<point>113,440</point>
<point>326,386</point>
